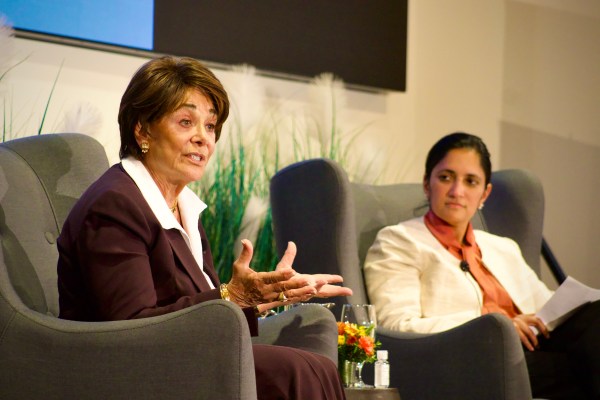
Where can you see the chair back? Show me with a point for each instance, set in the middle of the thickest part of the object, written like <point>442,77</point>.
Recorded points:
<point>515,209</point>
<point>41,178</point>
<point>334,221</point>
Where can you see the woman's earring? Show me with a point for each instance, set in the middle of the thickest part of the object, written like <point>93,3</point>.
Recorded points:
<point>145,147</point>
<point>481,206</point>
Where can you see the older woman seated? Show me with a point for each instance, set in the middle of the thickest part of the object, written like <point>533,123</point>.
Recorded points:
<point>133,246</point>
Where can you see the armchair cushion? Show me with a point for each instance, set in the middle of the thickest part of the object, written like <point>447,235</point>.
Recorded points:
<point>306,327</point>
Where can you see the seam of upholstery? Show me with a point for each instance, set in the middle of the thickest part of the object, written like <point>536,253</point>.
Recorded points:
<point>240,367</point>
<point>104,330</point>
<point>503,358</point>
<point>8,324</point>
<point>41,184</point>
<point>343,186</point>
<point>339,230</point>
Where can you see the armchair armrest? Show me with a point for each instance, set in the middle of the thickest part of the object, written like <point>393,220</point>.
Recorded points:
<point>471,359</point>
<point>181,355</point>
<point>308,327</point>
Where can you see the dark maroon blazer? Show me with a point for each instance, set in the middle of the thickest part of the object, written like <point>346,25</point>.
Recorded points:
<point>117,262</point>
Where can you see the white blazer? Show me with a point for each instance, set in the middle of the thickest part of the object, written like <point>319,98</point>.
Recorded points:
<point>417,285</point>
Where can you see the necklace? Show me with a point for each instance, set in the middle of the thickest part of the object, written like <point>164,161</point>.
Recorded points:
<point>174,208</point>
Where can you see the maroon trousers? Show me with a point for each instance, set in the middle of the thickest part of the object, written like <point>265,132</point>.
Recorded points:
<point>284,373</point>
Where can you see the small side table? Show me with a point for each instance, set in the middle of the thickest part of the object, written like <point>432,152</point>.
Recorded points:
<point>372,393</point>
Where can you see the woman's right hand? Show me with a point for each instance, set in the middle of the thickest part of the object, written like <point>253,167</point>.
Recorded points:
<point>523,324</point>
<point>248,288</point>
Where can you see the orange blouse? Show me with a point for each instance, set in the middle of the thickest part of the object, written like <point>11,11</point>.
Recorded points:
<point>495,297</point>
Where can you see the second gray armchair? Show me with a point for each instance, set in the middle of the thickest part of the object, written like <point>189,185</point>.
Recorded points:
<point>334,222</point>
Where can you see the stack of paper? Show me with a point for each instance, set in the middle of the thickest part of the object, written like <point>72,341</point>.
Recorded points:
<point>567,299</point>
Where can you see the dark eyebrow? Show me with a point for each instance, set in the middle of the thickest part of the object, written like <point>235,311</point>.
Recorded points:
<point>451,171</point>
<point>193,107</point>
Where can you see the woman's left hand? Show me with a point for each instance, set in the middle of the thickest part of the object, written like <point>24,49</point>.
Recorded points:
<point>248,288</point>
<point>323,284</point>
<point>523,324</point>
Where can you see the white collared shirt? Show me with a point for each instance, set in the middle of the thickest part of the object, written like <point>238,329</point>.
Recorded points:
<point>190,207</point>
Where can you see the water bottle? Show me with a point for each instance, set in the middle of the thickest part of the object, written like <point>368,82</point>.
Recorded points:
<point>382,370</point>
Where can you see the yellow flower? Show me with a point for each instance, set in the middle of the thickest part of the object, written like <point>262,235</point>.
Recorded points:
<point>362,331</point>
<point>351,329</point>
<point>355,342</point>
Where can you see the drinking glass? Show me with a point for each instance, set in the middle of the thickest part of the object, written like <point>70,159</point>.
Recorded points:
<point>360,314</point>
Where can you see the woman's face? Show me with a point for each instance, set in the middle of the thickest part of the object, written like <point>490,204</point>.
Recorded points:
<point>456,187</point>
<point>181,142</point>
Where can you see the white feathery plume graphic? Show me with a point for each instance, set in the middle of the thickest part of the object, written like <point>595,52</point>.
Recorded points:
<point>254,215</point>
<point>7,49</point>
<point>84,118</point>
<point>327,94</point>
<point>247,96</point>
<point>371,164</point>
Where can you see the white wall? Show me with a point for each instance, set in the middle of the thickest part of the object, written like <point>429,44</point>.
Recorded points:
<point>552,63</point>
<point>456,78</point>
<point>551,120</point>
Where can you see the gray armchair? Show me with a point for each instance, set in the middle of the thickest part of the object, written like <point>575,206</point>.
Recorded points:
<point>202,352</point>
<point>334,222</point>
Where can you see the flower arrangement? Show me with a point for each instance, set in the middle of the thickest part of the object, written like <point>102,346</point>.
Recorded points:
<point>355,343</point>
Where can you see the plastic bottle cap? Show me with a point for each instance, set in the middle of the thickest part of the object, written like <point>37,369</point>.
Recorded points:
<point>382,354</point>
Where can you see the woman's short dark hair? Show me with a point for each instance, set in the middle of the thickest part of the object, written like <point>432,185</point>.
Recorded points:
<point>158,88</point>
<point>458,140</point>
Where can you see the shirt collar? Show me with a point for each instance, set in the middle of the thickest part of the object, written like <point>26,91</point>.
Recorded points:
<point>190,206</point>
<point>444,233</point>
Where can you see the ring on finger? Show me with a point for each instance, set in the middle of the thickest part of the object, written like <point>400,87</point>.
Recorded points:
<point>281,297</point>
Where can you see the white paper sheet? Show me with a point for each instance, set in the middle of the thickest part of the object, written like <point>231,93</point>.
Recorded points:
<point>567,299</point>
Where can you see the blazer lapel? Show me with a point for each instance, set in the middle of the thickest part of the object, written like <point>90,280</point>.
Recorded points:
<point>208,263</point>
<point>187,259</point>
<point>207,258</point>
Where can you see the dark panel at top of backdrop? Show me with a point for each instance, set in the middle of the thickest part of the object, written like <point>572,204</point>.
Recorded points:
<point>361,41</point>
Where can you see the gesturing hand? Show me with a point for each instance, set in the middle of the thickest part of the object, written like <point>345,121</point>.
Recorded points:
<point>321,282</point>
<point>249,288</point>
<point>523,324</point>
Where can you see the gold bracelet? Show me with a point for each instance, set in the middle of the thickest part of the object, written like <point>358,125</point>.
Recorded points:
<point>224,292</point>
